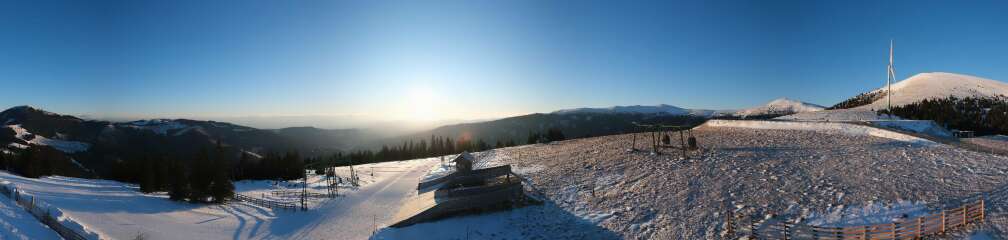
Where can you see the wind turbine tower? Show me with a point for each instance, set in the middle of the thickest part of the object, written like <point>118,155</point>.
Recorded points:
<point>891,72</point>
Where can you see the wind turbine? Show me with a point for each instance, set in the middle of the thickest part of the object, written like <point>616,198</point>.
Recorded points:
<point>891,77</point>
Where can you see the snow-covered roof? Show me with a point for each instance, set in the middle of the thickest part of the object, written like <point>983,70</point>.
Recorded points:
<point>465,156</point>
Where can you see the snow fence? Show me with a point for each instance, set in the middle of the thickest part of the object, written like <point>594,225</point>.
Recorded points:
<point>48,215</point>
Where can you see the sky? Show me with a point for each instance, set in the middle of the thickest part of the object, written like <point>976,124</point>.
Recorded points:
<point>367,61</point>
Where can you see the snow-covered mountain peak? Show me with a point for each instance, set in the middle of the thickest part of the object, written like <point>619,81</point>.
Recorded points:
<point>780,106</point>
<point>937,85</point>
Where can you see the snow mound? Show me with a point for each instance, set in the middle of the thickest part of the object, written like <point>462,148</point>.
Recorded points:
<point>938,85</point>
<point>842,128</point>
<point>781,106</point>
<point>838,115</point>
<point>918,126</point>
<point>62,145</point>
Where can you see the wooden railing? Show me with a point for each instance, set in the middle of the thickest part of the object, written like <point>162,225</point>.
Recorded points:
<point>913,228</point>
<point>297,194</point>
<point>267,203</point>
<point>42,214</point>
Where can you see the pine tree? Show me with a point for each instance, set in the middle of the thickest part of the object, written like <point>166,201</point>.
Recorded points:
<point>221,188</point>
<point>200,178</point>
<point>148,178</point>
<point>179,189</point>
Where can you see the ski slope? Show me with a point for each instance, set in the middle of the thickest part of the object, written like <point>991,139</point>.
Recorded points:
<point>115,210</point>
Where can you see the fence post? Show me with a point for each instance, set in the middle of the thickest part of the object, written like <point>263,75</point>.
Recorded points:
<point>982,209</point>
<point>785,231</point>
<point>920,227</point>
<point>864,232</point>
<point>943,222</point>
<point>752,228</point>
<point>728,218</point>
<point>965,209</point>
<point>895,231</point>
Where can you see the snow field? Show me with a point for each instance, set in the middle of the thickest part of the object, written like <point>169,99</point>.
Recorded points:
<point>795,173</point>
<point>115,210</point>
<point>16,223</point>
<point>834,127</point>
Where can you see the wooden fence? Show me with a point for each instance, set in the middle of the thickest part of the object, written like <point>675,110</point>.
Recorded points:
<point>267,203</point>
<point>297,194</point>
<point>913,228</point>
<point>43,215</point>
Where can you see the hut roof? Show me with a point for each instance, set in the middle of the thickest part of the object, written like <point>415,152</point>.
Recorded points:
<point>465,156</point>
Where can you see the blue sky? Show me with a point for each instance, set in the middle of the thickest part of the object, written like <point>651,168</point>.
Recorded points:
<point>388,60</point>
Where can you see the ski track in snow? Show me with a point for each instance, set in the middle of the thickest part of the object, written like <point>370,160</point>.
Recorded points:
<point>116,210</point>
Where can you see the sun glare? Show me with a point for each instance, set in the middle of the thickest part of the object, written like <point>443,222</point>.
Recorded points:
<point>422,104</point>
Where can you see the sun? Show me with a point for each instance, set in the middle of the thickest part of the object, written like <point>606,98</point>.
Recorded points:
<point>422,104</point>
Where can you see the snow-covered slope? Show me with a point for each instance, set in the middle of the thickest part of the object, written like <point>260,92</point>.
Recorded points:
<point>16,223</point>
<point>780,106</point>
<point>831,127</point>
<point>116,210</point>
<point>62,145</point>
<point>839,115</point>
<point>938,85</point>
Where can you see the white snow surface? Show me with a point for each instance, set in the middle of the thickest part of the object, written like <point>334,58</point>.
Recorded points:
<point>938,85</point>
<point>159,126</point>
<point>873,213</point>
<point>62,145</point>
<point>115,210</point>
<point>16,223</point>
<point>835,127</point>
<point>780,106</point>
<point>918,126</point>
<point>839,115</point>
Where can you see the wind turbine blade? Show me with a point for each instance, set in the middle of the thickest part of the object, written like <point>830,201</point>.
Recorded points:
<point>890,52</point>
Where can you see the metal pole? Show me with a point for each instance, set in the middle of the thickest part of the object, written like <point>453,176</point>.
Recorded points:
<point>682,144</point>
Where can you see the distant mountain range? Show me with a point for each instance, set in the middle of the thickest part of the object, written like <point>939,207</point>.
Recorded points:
<point>95,144</point>
<point>642,109</point>
<point>780,106</point>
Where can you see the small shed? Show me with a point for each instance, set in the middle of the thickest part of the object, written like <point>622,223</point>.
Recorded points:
<point>464,162</point>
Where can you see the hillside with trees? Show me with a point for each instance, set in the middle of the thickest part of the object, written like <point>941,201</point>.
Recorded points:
<point>982,115</point>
